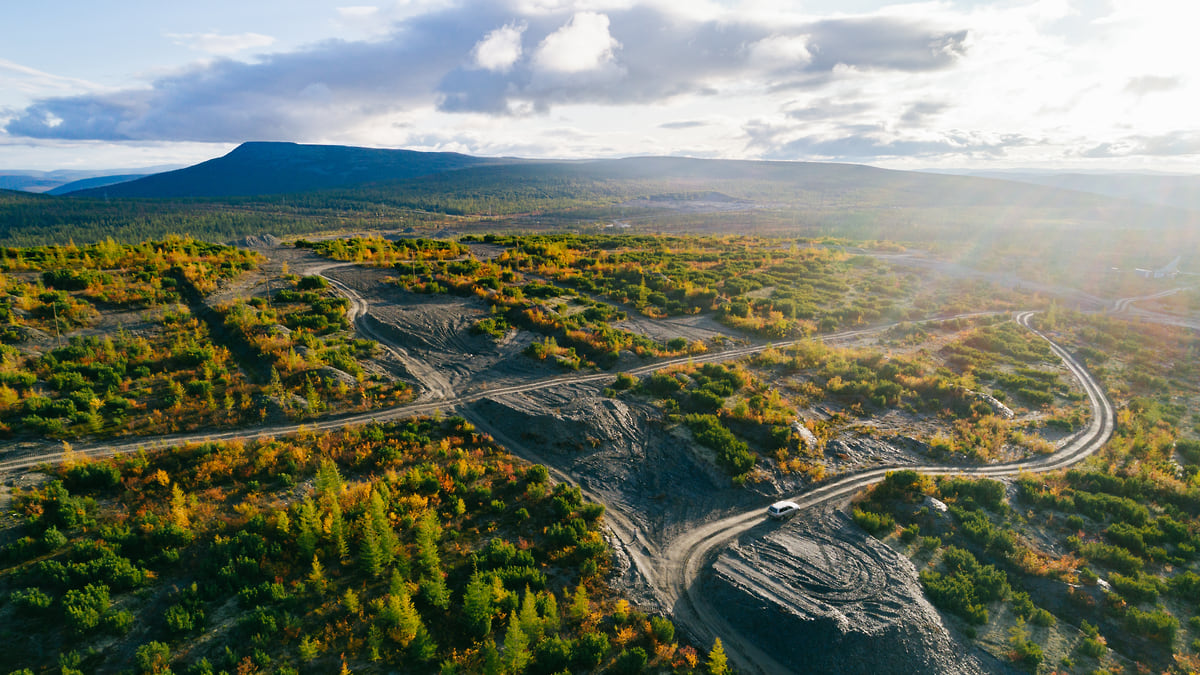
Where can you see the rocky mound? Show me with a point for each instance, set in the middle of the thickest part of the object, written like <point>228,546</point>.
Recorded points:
<point>258,241</point>
<point>822,596</point>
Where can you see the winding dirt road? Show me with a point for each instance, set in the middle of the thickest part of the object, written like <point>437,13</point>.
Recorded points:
<point>672,571</point>
<point>687,556</point>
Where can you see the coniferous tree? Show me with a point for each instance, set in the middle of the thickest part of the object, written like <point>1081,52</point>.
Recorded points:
<point>307,535</point>
<point>531,625</point>
<point>718,663</point>
<point>580,606</point>
<point>477,606</point>
<point>370,554</point>
<point>382,528</point>
<point>516,647</point>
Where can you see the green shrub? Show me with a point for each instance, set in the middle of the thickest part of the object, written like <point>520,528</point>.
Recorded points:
<point>874,522</point>
<point>31,600</point>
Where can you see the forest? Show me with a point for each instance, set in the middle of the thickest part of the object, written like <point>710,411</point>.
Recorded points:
<point>419,544</point>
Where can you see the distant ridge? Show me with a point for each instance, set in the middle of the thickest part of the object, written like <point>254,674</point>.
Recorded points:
<point>97,182</point>
<point>262,168</point>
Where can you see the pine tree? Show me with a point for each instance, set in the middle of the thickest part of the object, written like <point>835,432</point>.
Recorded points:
<point>307,536</point>
<point>384,533</point>
<point>477,606</point>
<point>316,577</point>
<point>580,607</point>
<point>179,508</point>
<point>548,607</point>
<point>337,530</point>
<point>718,664</point>
<point>490,657</point>
<point>370,555</point>
<point>404,618</point>
<point>531,625</point>
<point>516,647</point>
<point>329,480</point>
<point>422,648</point>
<point>428,532</point>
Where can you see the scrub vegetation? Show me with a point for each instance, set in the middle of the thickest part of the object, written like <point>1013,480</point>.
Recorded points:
<point>419,545</point>
<point>1090,568</point>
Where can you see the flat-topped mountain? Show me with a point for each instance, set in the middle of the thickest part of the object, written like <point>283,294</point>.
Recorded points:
<point>260,168</point>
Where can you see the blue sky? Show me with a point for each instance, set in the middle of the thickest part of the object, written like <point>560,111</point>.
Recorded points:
<point>1067,84</point>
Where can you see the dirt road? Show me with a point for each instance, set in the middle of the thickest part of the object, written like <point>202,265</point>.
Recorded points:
<point>687,556</point>
<point>673,568</point>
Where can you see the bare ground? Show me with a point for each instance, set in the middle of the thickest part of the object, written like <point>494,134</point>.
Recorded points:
<point>823,596</point>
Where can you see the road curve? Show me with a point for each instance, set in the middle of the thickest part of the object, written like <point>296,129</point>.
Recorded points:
<point>688,555</point>
<point>673,572</point>
<point>437,398</point>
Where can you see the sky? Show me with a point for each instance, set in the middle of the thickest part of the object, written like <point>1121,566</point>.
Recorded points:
<point>951,84</point>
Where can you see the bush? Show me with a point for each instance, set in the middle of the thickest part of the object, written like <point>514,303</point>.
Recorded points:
<point>625,381</point>
<point>967,585</point>
<point>31,600</point>
<point>84,608</point>
<point>631,662</point>
<point>153,659</point>
<point>874,522</point>
<point>589,650</point>
<point>732,455</point>
<point>1157,625</point>
<point>663,629</point>
<point>311,283</point>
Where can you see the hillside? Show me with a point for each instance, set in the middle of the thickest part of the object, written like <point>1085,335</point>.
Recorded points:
<point>273,168</point>
<point>1167,190</point>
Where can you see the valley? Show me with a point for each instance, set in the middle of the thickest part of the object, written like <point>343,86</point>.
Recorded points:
<point>420,450</point>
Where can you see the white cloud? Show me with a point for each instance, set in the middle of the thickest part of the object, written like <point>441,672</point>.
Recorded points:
<point>499,49</point>
<point>583,44</point>
<point>358,12</point>
<point>780,51</point>
<point>222,45</point>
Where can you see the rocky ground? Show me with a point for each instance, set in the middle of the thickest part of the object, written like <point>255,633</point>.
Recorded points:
<point>817,593</point>
<point>822,596</point>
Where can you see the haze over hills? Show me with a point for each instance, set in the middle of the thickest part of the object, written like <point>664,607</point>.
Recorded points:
<point>1163,189</point>
<point>53,181</point>
<point>288,189</point>
<point>412,178</point>
<point>97,182</point>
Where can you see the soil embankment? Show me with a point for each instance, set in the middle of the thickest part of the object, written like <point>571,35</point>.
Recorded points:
<point>822,596</point>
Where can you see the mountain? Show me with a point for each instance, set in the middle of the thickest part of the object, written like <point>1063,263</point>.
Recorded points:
<point>48,181</point>
<point>97,182</point>
<point>260,168</point>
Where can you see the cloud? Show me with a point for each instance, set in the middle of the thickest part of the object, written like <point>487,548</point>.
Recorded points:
<point>1149,84</point>
<point>583,44</point>
<point>827,108</point>
<point>455,59</point>
<point>358,11</point>
<point>921,111</point>
<point>222,45</point>
<point>855,142</point>
<point>683,124</point>
<point>781,51</point>
<point>1172,144</point>
<point>500,49</point>
<point>884,42</point>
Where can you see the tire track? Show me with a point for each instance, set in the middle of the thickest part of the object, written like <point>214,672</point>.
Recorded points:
<point>688,556</point>
<point>672,571</point>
